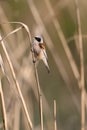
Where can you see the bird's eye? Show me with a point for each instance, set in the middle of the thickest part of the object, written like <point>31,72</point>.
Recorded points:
<point>38,39</point>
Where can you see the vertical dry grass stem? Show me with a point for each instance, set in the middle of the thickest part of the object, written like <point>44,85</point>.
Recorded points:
<point>41,112</point>
<point>3,108</point>
<point>16,82</point>
<point>82,80</point>
<point>55,116</point>
<point>37,79</point>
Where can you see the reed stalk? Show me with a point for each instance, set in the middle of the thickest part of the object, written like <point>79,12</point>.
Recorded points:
<point>3,108</point>
<point>82,78</point>
<point>55,116</point>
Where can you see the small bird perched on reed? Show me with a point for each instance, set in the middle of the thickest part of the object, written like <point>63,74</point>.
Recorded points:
<point>38,48</point>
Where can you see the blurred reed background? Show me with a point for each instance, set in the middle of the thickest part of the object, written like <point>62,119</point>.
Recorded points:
<point>63,26</point>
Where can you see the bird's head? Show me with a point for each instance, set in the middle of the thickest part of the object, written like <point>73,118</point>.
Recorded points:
<point>39,41</point>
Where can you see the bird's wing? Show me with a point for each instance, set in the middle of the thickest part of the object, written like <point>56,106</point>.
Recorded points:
<point>45,60</point>
<point>45,54</point>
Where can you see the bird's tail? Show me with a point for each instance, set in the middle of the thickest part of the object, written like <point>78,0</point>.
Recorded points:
<point>48,69</point>
<point>46,64</point>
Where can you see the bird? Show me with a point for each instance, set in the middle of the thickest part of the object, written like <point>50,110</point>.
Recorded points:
<point>39,50</point>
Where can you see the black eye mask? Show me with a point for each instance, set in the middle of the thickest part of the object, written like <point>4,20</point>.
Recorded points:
<point>38,39</point>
